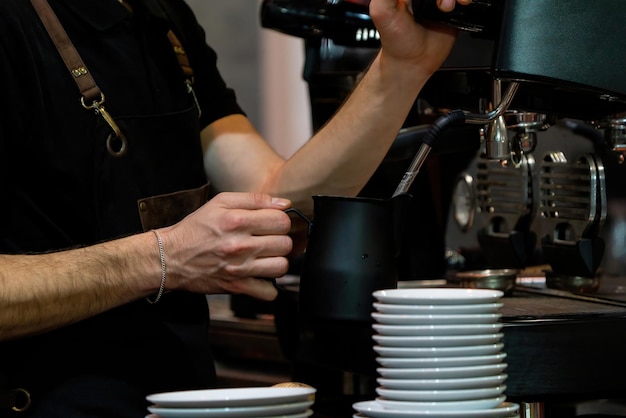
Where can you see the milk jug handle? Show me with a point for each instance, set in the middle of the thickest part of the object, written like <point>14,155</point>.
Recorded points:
<point>303,216</point>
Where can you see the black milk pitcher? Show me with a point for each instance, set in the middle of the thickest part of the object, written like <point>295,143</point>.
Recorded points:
<point>352,250</point>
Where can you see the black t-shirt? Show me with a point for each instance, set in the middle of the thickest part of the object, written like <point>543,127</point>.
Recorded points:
<point>48,148</point>
<point>47,137</point>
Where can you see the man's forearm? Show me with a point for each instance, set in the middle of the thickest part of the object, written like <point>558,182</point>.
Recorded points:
<point>45,291</point>
<point>353,143</point>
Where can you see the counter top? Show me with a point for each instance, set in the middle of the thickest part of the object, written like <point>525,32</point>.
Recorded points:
<point>560,347</point>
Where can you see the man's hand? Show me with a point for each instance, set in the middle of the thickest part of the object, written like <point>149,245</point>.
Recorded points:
<point>427,46</point>
<point>230,245</point>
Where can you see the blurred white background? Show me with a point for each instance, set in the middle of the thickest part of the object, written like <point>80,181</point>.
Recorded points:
<point>263,66</point>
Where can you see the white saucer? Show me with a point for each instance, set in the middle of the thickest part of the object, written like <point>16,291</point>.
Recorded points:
<point>465,405</point>
<point>440,395</point>
<point>442,384</point>
<point>440,361</point>
<point>284,410</point>
<point>435,319</point>
<point>359,415</point>
<point>304,414</point>
<point>445,329</point>
<point>255,396</point>
<point>437,340</point>
<point>408,309</point>
<point>442,372</point>
<point>438,296</point>
<point>464,350</point>
<point>374,409</point>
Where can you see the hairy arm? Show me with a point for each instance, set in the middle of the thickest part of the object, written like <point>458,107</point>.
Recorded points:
<point>41,292</point>
<point>343,155</point>
<point>223,247</point>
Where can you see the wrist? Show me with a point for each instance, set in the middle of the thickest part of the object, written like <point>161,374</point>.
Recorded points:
<point>398,78</point>
<point>163,266</point>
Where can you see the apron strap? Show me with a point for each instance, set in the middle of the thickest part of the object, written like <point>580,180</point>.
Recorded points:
<point>85,82</point>
<point>91,95</point>
<point>181,55</point>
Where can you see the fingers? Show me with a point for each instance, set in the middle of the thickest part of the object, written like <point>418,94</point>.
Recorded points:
<point>230,240</point>
<point>254,213</point>
<point>261,250</point>
<point>262,256</point>
<point>448,5</point>
<point>252,201</point>
<point>256,223</point>
<point>261,289</point>
<point>444,5</point>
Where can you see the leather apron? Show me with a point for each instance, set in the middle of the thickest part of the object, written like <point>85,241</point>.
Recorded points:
<point>106,365</point>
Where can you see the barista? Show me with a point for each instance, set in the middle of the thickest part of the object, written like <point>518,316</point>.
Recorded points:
<point>90,228</point>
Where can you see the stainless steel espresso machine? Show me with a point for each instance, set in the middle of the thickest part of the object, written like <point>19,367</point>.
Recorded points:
<point>545,71</point>
<point>528,179</point>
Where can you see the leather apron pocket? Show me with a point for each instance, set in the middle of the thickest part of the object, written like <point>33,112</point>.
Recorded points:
<point>167,209</point>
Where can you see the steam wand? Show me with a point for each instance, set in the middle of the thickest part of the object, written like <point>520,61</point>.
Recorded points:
<point>455,117</point>
<point>452,118</point>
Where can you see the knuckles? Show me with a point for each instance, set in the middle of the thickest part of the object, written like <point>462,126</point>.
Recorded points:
<point>233,220</point>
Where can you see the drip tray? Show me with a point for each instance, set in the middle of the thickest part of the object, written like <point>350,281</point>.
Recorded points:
<point>600,289</point>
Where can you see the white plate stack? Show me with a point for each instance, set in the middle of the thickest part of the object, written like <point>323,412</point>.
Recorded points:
<point>440,354</point>
<point>277,402</point>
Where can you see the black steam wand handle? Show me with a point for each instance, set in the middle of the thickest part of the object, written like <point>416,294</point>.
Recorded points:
<point>455,117</point>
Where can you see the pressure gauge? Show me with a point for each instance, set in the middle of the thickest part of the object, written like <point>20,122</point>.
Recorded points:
<point>464,202</point>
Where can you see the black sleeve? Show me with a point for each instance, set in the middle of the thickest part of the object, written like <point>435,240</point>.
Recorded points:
<point>215,97</point>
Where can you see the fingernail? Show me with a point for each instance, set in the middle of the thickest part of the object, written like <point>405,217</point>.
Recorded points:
<point>446,5</point>
<point>280,202</point>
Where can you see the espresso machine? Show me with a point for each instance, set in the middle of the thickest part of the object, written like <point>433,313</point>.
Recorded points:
<point>544,72</point>
<point>528,177</point>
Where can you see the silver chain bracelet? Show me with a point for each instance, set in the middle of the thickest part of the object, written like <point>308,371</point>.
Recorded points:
<point>163,269</point>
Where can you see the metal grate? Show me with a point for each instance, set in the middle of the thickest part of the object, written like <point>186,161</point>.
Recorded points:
<point>504,189</point>
<point>572,195</point>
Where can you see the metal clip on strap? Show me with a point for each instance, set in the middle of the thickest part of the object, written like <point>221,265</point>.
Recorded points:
<point>17,400</point>
<point>183,62</point>
<point>92,97</point>
<point>117,144</point>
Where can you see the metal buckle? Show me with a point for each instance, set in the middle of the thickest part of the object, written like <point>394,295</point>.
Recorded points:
<point>18,400</point>
<point>117,144</point>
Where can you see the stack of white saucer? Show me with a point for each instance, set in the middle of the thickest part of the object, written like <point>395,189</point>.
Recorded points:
<point>284,402</point>
<point>440,354</point>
